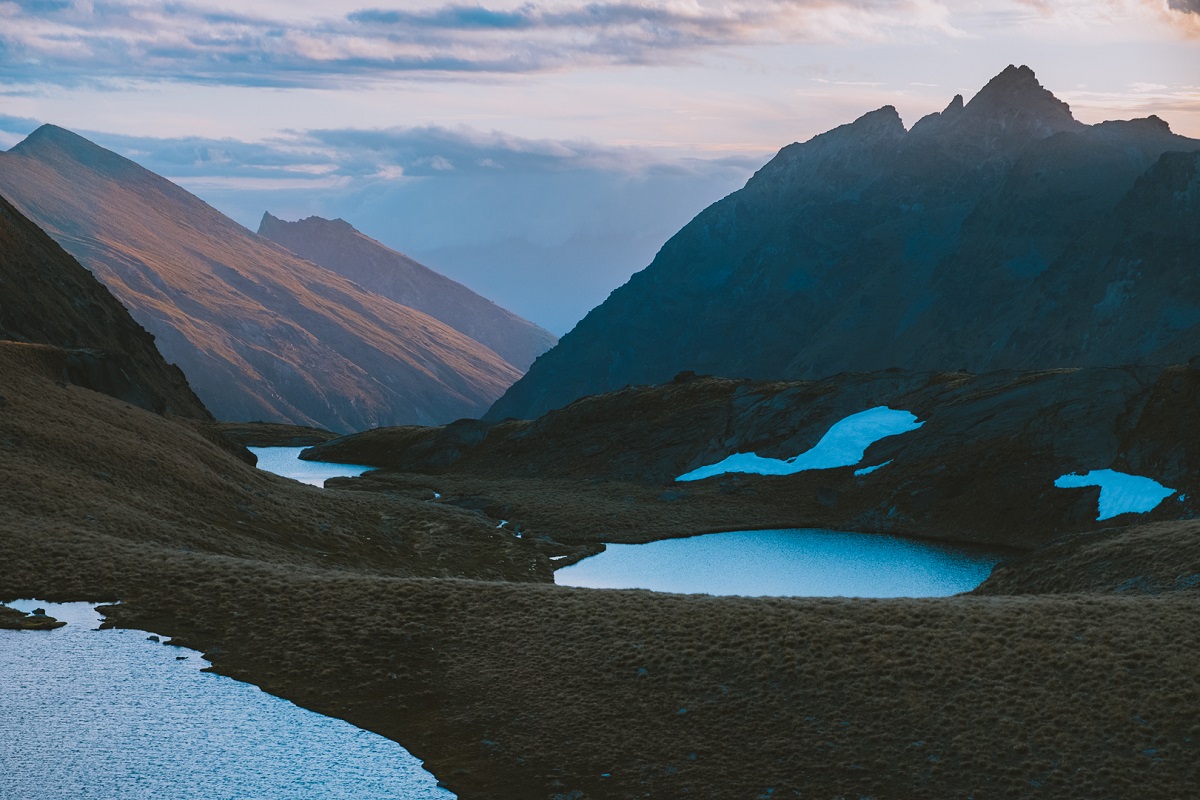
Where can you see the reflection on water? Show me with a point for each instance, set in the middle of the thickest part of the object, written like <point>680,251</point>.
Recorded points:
<point>286,461</point>
<point>109,715</point>
<point>801,562</point>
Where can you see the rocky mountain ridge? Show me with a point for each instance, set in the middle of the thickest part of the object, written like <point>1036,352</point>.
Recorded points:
<point>967,242</point>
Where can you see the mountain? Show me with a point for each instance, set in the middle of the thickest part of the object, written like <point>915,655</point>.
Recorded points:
<point>992,235</point>
<point>259,332</point>
<point>337,245</point>
<point>47,298</point>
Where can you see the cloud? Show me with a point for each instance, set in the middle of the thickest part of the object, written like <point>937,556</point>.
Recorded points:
<point>1185,16</point>
<point>1138,100</point>
<point>427,151</point>
<point>343,156</point>
<point>115,41</point>
<point>14,129</point>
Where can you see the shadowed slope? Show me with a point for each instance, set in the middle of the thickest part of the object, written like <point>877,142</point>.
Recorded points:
<point>960,244</point>
<point>46,297</point>
<point>336,245</point>
<point>260,333</point>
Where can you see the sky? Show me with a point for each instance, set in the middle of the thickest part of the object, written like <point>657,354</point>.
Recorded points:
<point>542,152</point>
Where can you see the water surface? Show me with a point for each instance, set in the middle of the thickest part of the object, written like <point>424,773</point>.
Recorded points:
<point>108,715</point>
<point>286,461</point>
<point>798,562</point>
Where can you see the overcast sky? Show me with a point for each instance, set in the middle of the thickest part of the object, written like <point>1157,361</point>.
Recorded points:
<point>542,152</point>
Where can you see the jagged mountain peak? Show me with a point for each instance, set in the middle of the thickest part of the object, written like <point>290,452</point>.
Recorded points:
<point>957,245</point>
<point>934,121</point>
<point>272,225</point>
<point>1016,98</point>
<point>885,120</point>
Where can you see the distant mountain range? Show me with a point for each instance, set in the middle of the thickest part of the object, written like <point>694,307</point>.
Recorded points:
<point>999,233</point>
<point>260,332</point>
<point>336,245</point>
<point>47,298</point>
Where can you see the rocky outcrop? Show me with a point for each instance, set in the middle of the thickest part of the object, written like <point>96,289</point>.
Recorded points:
<point>46,297</point>
<point>260,333</point>
<point>996,234</point>
<point>980,468</point>
<point>14,620</point>
<point>338,246</point>
<point>271,434</point>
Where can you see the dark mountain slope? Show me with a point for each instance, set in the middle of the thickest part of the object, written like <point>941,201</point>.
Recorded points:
<point>46,297</point>
<point>337,245</point>
<point>870,247</point>
<point>1131,284</point>
<point>260,332</point>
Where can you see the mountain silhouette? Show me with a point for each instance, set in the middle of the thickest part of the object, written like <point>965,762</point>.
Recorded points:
<point>260,332</point>
<point>999,233</point>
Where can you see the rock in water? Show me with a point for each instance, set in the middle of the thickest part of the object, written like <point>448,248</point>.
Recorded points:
<point>14,620</point>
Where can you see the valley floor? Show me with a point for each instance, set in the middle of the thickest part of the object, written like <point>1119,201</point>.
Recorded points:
<point>1071,673</point>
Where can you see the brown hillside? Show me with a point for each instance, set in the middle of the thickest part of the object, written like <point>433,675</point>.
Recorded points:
<point>260,333</point>
<point>336,245</point>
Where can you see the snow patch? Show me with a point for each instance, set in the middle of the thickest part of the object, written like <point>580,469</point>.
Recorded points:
<point>842,446</point>
<point>1120,493</point>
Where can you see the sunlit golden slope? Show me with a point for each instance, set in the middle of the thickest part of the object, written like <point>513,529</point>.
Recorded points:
<point>259,332</point>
